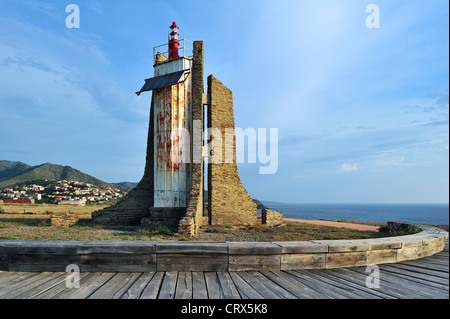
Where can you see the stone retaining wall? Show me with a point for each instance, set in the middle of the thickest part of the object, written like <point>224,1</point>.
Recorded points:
<point>141,256</point>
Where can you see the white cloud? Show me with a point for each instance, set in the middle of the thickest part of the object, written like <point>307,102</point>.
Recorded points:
<point>349,167</point>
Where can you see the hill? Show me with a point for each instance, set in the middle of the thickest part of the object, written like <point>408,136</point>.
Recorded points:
<point>125,186</point>
<point>12,173</point>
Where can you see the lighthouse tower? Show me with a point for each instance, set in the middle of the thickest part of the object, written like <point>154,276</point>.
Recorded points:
<point>171,191</point>
<point>172,118</point>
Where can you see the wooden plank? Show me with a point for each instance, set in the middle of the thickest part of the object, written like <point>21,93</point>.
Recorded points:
<point>439,258</point>
<point>104,290</point>
<point>118,263</point>
<point>254,262</point>
<point>321,287</point>
<point>41,248</point>
<point>116,247</point>
<point>282,292</point>
<point>347,259</point>
<point>195,248</point>
<point>429,265</point>
<point>422,270</point>
<point>135,290</point>
<point>41,262</point>
<point>347,246</point>
<point>4,265</point>
<point>192,262</point>
<point>152,289</point>
<point>227,286</point>
<point>44,286</point>
<point>213,285</point>
<point>438,285</point>
<point>87,287</point>
<point>407,275</point>
<point>184,286</point>
<point>51,292</point>
<point>289,283</point>
<point>357,288</point>
<point>245,290</point>
<point>18,281</point>
<point>302,261</point>
<point>199,290</point>
<point>253,248</point>
<point>125,285</point>
<point>168,285</point>
<point>404,287</point>
<point>381,256</point>
<point>30,283</point>
<point>335,289</point>
<point>435,260</point>
<point>384,243</point>
<point>301,247</point>
<point>260,285</point>
<point>7,278</point>
<point>120,287</point>
<point>412,274</point>
<point>360,278</point>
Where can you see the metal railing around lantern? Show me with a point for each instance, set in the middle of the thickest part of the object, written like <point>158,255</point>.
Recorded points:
<point>184,50</point>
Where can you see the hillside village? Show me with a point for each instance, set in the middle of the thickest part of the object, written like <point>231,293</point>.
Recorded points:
<point>60,192</point>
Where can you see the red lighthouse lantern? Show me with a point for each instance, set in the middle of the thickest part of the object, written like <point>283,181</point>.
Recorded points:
<point>173,42</point>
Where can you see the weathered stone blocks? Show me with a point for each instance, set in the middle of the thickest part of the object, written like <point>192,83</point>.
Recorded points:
<point>229,202</point>
<point>271,217</point>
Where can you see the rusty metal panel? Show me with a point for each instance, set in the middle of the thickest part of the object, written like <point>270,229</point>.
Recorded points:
<point>171,168</point>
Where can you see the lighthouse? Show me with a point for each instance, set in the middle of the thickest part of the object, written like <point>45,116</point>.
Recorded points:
<point>171,191</point>
<point>172,117</point>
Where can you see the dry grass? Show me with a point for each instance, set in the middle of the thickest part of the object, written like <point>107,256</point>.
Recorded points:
<point>39,209</point>
<point>32,222</point>
<point>289,231</point>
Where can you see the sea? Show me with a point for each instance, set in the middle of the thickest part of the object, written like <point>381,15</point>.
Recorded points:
<point>434,214</point>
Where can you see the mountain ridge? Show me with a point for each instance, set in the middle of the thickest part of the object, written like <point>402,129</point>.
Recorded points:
<point>13,173</point>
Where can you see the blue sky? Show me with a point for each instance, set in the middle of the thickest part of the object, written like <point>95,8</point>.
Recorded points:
<point>362,114</point>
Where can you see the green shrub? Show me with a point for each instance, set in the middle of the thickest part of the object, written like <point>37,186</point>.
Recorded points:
<point>164,230</point>
<point>399,229</point>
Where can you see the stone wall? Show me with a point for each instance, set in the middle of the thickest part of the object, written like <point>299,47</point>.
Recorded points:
<point>271,217</point>
<point>64,220</point>
<point>163,216</point>
<point>229,202</point>
<point>193,219</point>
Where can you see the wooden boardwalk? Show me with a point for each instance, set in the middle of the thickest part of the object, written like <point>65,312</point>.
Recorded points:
<point>426,278</point>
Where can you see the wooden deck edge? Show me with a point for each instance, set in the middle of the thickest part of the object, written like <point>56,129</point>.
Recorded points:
<point>138,256</point>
